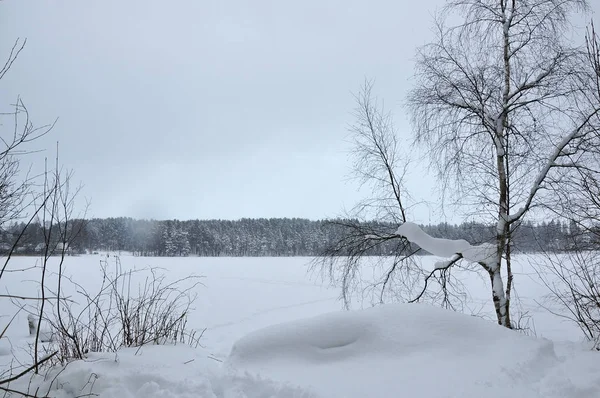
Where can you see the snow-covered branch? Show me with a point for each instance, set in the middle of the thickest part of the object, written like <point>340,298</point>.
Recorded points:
<point>484,254</point>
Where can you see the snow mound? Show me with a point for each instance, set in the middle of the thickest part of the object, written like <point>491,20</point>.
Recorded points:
<point>154,372</point>
<point>411,350</point>
<point>384,331</point>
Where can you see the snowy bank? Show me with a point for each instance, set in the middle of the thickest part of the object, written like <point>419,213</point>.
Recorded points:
<point>154,372</point>
<point>414,350</point>
<point>388,351</point>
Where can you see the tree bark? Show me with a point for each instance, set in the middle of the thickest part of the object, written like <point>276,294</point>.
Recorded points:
<point>501,302</point>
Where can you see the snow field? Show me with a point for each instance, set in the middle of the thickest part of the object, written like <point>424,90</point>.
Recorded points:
<point>272,330</point>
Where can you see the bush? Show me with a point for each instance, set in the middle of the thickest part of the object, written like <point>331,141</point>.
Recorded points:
<point>123,313</point>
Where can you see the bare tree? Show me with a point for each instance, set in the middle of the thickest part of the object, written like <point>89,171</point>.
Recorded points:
<point>15,189</point>
<point>26,198</point>
<point>578,199</point>
<point>506,108</point>
<point>573,278</point>
<point>380,165</point>
<point>376,162</point>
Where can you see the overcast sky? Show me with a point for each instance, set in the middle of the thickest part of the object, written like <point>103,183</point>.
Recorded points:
<point>211,109</point>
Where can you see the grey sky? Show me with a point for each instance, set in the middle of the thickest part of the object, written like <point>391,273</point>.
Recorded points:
<point>210,109</point>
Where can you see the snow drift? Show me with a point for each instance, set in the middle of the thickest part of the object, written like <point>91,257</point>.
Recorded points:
<point>154,372</point>
<point>413,350</point>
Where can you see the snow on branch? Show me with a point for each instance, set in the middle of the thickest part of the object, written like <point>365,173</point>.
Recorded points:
<point>447,263</point>
<point>450,248</point>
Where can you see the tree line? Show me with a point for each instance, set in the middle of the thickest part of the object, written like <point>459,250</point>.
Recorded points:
<point>264,237</point>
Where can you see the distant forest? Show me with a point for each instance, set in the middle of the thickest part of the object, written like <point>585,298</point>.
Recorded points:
<point>258,237</point>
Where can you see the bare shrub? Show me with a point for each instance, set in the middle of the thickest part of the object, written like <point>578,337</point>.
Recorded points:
<point>28,199</point>
<point>574,282</point>
<point>125,313</point>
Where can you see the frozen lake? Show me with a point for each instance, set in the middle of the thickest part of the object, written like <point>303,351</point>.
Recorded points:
<point>240,295</point>
<point>378,352</point>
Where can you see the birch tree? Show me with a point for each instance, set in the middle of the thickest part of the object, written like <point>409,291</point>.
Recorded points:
<point>505,104</point>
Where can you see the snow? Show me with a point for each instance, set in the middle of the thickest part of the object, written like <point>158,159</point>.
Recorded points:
<point>415,349</point>
<point>446,263</point>
<point>484,253</point>
<point>158,372</point>
<point>274,330</point>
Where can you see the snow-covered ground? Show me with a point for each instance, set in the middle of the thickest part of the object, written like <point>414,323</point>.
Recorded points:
<point>275,330</point>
